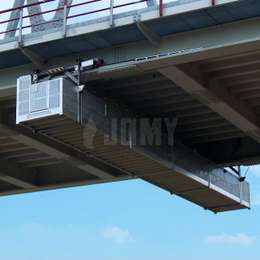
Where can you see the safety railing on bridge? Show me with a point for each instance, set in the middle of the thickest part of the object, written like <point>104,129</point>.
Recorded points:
<point>32,17</point>
<point>39,15</point>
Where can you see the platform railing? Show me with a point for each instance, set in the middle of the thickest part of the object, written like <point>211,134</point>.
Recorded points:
<point>63,18</point>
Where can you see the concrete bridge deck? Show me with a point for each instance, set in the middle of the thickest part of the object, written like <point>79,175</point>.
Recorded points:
<point>198,63</point>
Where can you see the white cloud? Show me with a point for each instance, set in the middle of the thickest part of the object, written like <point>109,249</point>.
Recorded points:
<point>117,234</point>
<point>237,239</point>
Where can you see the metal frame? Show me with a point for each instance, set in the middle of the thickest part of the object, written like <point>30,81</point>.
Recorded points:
<point>44,112</point>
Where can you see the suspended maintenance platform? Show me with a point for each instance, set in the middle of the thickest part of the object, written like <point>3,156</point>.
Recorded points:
<point>84,95</point>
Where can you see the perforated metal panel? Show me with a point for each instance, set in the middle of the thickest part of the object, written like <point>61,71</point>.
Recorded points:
<point>38,100</point>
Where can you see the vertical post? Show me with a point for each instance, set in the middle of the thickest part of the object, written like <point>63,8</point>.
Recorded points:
<point>241,191</point>
<point>79,94</point>
<point>209,182</point>
<point>65,18</point>
<point>161,7</point>
<point>20,36</point>
<point>111,13</point>
<point>213,2</point>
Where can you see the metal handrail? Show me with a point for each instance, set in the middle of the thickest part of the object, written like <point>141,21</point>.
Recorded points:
<point>25,6</point>
<point>106,9</point>
<point>65,7</point>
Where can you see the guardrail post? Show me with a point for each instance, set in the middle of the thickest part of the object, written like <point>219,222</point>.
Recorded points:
<point>161,7</point>
<point>20,36</point>
<point>111,13</point>
<point>65,18</point>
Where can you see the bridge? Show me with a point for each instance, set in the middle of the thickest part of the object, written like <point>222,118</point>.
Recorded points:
<point>84,94</point>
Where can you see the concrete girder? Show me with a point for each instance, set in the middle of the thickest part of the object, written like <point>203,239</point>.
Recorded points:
<point>55,153</point>
<point>16,182</point>
<point>230,62</point>
<point>38,61</point>
<point>218,99</point>
<point>14,175</point>
<point>151,36</point>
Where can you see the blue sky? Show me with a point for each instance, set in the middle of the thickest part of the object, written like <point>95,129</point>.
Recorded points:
<point>123,221</point>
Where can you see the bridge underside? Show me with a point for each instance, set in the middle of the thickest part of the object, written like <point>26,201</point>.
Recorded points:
<point>52,153</point>
<point>208,79</point>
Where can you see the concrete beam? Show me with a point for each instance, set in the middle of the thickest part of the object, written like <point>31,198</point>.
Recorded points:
<point>16,182</point>
<point>55,153</point>
<point>216,98</point>
<point>7,92</point>
<point>14,175</point>
<point>38,61</point>
<point>150,35</point>
<point>59,186</point>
